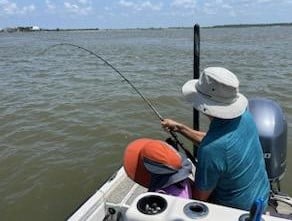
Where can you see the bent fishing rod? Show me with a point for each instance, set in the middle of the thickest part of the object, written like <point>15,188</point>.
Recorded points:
<point>172,133</point>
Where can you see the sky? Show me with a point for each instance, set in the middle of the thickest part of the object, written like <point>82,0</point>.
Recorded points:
<point>115,14</point>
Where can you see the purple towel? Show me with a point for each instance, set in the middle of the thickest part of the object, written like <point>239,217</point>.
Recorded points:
<point>181,189</point>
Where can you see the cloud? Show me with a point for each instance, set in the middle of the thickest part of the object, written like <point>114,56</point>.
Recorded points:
<point>217,6</point>
<point>50,5</point>
<point>11,8</point>
<point>187,4</point>
<point>264,1</point>
<point>80,7</point>
<point>141,5</point>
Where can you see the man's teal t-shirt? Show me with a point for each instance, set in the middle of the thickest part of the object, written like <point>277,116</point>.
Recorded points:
<point>231,163</point>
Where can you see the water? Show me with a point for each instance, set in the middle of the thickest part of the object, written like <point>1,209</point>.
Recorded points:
<point>65,118</point>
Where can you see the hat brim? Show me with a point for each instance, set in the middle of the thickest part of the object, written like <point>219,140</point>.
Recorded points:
<point>213,108</point>
<point>159,181</point>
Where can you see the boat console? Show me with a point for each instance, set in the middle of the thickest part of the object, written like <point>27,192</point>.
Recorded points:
<point>160,207</point>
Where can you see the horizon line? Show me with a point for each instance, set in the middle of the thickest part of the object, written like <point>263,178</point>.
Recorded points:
<point>169,27</point>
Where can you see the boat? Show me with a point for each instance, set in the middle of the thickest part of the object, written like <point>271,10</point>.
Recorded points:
<point>122,199</point>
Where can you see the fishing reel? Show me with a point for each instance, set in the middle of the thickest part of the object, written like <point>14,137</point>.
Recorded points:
<point>172,143</point>
<point>175,143</point>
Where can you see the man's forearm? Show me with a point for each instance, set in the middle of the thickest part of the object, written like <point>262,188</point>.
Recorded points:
<point>194,135</point>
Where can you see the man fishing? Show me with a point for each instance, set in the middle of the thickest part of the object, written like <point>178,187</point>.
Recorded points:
<point>231,169</point>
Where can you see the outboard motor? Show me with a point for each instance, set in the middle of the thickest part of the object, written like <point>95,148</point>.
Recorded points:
<point>272,127</point>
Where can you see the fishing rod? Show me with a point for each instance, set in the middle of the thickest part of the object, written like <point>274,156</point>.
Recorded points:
<point>172,133</point>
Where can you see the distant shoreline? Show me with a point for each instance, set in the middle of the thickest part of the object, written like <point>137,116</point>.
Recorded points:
<point>250,25</point>
<point>28,29</point>
<point>160,28</point>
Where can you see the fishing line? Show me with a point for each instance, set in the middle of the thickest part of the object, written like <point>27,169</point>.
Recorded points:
<point>172,133</point>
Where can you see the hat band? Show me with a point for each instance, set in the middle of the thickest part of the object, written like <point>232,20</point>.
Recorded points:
<point>224,100</point>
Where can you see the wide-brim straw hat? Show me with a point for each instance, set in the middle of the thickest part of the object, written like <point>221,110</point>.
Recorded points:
<point>216,93</point>
<point>155,164</point>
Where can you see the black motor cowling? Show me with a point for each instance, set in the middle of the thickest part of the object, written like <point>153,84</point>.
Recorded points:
<point>272,127</point>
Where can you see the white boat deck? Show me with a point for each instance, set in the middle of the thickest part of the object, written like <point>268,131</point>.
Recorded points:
<point>125,192</point>
<point>119,193</point>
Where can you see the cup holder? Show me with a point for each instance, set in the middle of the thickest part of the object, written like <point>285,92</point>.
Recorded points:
<point>151,205</point>
<point>196,210</point>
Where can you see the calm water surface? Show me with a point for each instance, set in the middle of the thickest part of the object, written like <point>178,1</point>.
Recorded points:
<point>65,118</point>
